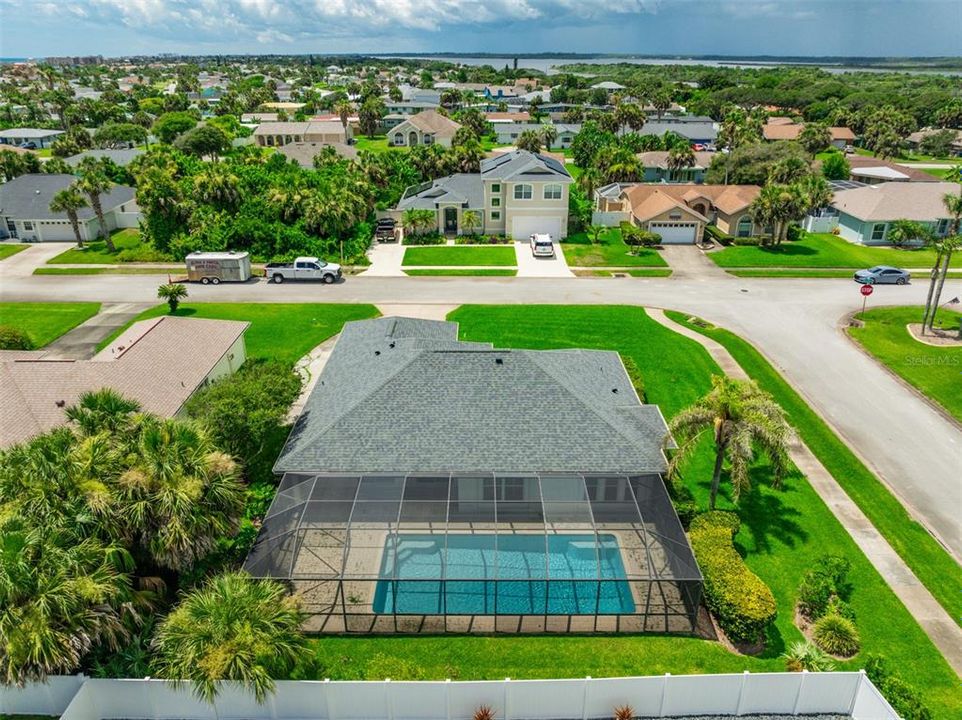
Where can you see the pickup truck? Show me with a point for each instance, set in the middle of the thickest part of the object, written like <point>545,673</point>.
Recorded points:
<point>386,230</point>
<point>303,268</point>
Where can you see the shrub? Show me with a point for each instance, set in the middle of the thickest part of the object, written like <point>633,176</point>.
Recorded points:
<point>484,712</point>
<point>795,232</point>
<point>743,605</point>
<point>634,236</point>
<point>804,655</point>
<point>836,635</point>
<point>634,374</point>
<point>12,338</point>
<point>433,238</point>
<point>746,241</point>
<point>717,235</point>
<point>624,712</point>
<point>906,701</point>
<point>824,587</point>
<point>482,240</point>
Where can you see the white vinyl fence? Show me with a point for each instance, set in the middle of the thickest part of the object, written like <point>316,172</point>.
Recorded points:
<point>846,693</point>
<point>609,219</point>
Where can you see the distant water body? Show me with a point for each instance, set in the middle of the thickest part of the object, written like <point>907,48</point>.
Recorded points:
<point>550,65</point>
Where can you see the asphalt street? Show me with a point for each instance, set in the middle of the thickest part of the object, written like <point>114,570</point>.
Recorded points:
<point>796,323</point>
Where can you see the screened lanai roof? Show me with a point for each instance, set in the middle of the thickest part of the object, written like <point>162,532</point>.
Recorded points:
<point>336,526</point>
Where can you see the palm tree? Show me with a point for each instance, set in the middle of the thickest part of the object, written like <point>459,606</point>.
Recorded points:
<point>173,293</point>
<point>776,206</point>
<point>470,221</point>
<point>217,187</point>
<point>69,201</point>
<point>94,183</point>
<point>529,140</point>
<point>944,250</point>
<point>288,201</point>
<point>906,231</point>
<point>740,417</point>
<point>344,108</point>
<point>679,158</point>
<point>60,596</point>
<point>815,137</point>
<point>589,180</point>
<point>104,410</point>
<point>180,495</point>
<point>548,136</point>
<point>232,628</point>
<point>417,221</point>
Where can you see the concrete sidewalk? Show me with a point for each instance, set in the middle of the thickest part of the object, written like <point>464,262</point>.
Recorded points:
<point>934,620</point>
<point>81,342</point>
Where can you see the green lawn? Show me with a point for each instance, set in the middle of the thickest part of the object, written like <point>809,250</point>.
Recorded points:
<point>278,331</point>
<point>610,252</point>
<point>160,270</point>
<point>811,273</point>
<point>481,272</point>
<point>784,531</point>
<point>45,322</point>
<point>920,551</point>
<point>7,249</point>
<point>823,251</point>
<point>377,144</point>
<point>936,372</point>
<point>96,252</point>
<point>455,255</point>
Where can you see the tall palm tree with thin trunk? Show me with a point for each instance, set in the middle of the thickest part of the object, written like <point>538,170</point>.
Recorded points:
<point>679,158</point>
<point>235,629</point>
<point>344,108</point>
<point>944,249</point>
<point>548,136</point>
<point>94,183</point>
<point>69,201</point>
<point>739,417</point>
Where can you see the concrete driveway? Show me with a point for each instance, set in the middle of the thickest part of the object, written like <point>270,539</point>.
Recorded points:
<point>795,322</point>
<point>531,266</point>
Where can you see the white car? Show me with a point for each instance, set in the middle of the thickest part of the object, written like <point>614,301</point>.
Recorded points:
<point>541,245</point>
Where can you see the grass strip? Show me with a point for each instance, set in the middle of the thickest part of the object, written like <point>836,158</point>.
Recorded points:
<point>460,272</point>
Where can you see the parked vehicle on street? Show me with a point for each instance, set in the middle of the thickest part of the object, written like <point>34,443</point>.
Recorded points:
<point>213,268</point>
<point>386,230</point>
<point>541,245</point>
<point>304,268</point>
<point>883,275</point>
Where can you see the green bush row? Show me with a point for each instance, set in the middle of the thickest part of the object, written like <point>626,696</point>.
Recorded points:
<point>12,338</point>
<point>743,605</point>
<point>633,235</point>
<point>431,238</point>
<point>482,240</point>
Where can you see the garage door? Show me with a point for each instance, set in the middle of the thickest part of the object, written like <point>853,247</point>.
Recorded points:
<point>675,233</point>
<point>526,225</point>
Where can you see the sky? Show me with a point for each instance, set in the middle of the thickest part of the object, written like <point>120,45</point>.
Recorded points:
<point>38,28</point>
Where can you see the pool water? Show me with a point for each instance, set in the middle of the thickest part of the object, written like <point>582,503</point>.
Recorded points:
<point>504,575</point>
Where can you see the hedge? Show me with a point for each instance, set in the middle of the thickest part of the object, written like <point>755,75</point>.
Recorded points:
<point>12,338</point>
<point>743,605</point>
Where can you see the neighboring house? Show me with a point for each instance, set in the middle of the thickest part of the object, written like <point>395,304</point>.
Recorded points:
<point>515,194</point>
<point>303,152</point>
<point>777,131</point>
<point>38,136</point>
<point>508,133</point>
<point>25,210</point>
<point>408,108</point>
<point>608,86</point>
<point>701,132</point>
<point>256,118</point>
<point>276,134</point>
<point>657,170</point>
<point>160,363</point>
<point>679,213</point>
<point>915,139</point>
<point>122,157</point>
<point>426,128</point>
<point>383,443</point>
<point>500,118</point>
<point>872,171</point>
<point>865,214</point>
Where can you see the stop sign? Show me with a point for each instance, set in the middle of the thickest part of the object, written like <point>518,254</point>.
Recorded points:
<point>866,290</point>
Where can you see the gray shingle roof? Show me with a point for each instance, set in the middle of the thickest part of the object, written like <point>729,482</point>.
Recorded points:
<point>121,157</point>
<point>463,188</point>
<point>28,197</point>
<point>402,395</point>
<point>690,130</point>
<point>523,165</point>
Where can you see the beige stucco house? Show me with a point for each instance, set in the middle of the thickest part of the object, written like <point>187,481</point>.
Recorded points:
<point>278,134</point>
<point>515,194</point>
<point>426,128</point>
<point>680,212</point>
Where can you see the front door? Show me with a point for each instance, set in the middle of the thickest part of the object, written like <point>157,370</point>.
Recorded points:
<point>11,228</point>
<point>450,220</point>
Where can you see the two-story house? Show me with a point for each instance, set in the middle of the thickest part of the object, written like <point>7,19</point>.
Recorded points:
<point>515,194</point>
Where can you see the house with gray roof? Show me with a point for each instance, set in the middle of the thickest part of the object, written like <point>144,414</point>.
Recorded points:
<point>40,137</point>
<point>25,212</point>
<point>516,194</point>
<point>419,456</point>
<point>508,133</point>
<point>120,156</point>
<point>701,132</point>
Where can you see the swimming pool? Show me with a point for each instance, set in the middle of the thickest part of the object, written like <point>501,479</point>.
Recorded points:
<point>517,574</point>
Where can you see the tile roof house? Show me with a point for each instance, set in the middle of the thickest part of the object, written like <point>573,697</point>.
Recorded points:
<point>841,136</point>
<point>516,194</point>
<point>429,127</point>
<point>159,363</point>
<point>25,210</point>
<point>916,138</point>
<point>871,171</point>
<point>277,134</point>
<point>303,153</point>
<point>865,214</point>
<point>656,167</point>
<point>679,212</point>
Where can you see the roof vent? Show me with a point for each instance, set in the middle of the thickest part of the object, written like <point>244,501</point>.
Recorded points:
<point>498,361</point>
<point>377,352</point>
<point>60,403</point>
<point>614,390</point>
<point>391,345</point>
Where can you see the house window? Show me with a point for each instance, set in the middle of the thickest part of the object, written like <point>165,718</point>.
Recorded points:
<point>27,225</point>
<point>496,187</point>
<point>428,139</point>
<point>522,192</point>
<point>495,214</point>
<point>878,232</point>
<point>943,226</point>
<point>495,202</point>
<point>398,139</point>
<point>745,226</point>
<point>552,192</point>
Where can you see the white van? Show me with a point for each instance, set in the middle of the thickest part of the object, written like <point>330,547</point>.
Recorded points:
<point>541,245</point>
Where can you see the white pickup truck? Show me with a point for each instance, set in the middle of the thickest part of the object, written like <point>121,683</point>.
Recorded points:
<point>304,268</point>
